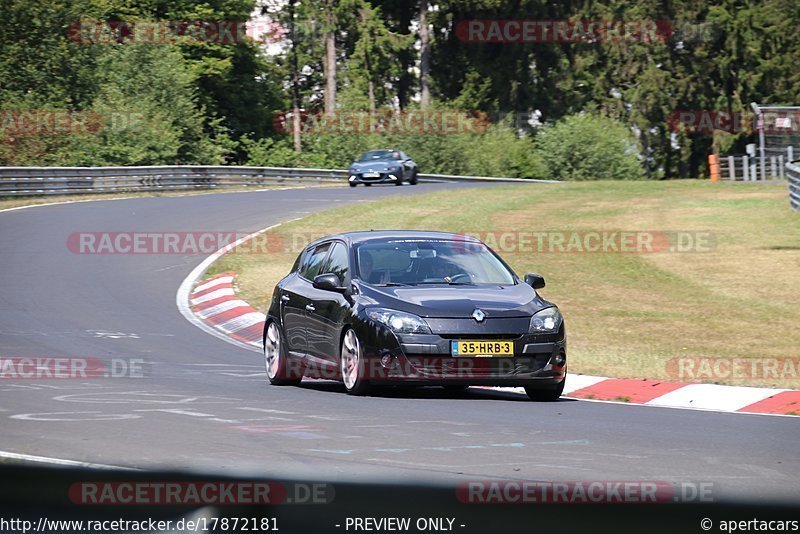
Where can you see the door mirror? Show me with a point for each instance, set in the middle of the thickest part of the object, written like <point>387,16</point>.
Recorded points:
<point>536,281</point>
<point>329,282</point>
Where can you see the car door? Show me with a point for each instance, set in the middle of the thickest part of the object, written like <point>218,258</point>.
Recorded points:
<point>295,300</point>
<point>328,309</point>
<point>408,165</point>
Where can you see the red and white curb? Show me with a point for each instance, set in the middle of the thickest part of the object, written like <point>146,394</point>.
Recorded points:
<point>215,302</point>
<point>214,306</point>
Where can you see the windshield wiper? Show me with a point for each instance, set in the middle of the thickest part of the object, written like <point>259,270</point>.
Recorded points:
<point>391,284</point>
<point>443,282</point>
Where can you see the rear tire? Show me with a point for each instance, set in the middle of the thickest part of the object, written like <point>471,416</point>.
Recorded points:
<point>545,394</point>
<point>351,365</point>
<point>280,371</point>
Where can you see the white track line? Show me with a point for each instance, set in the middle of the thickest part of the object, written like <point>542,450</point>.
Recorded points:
<point>59,461</point>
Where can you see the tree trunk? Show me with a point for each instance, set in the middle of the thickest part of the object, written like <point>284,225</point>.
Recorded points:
<point>298,146</point>
<point>424,56</point>
<point>329,64</point>
<point>371,92</point>
<point>406,57</point>
<point>368,67</point>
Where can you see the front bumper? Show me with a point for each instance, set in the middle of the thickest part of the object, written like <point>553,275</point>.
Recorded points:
<point>425,359</point>
<point>382,178</point>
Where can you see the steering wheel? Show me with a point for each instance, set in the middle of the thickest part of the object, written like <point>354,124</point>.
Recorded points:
<point>460,276</point>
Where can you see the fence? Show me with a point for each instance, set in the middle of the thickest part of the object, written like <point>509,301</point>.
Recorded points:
<point>27,181</point>
<point>793,173</point>
<point>747,168</point>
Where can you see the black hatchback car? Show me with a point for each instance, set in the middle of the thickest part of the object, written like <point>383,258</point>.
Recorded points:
<point>381,167</point>
<point>413,308</point>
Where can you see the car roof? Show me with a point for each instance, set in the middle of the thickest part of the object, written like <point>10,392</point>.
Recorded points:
<point>354,238</point>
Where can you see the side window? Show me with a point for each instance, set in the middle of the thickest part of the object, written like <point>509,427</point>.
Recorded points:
<point>338,263</point>
<point>297,263</point>
<point>313,261</point>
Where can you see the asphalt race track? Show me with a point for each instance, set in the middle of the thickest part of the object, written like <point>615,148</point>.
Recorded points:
<point>206,403</point>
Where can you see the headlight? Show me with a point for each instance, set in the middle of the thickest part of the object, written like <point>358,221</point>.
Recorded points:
<point>546,321</point>
<point>399,322</point>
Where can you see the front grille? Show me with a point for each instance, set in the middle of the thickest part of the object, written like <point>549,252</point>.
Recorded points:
<point>504,337</point>
<point>476,367</point>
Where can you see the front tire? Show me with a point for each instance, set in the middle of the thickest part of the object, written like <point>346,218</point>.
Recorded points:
<point>351,365</point>
<point>413,179</point>
<point>280,371</point>
<point>546,394</point>
<point>352,184</point>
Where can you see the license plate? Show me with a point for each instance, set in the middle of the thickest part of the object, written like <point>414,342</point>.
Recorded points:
<point>482,348</point>
<point>372,175</point>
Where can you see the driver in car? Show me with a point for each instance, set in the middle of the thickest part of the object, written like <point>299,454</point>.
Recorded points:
<point>366,266</point>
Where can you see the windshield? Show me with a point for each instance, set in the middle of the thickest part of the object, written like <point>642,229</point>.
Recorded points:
<point>377,155</point>
<point>430,262</point>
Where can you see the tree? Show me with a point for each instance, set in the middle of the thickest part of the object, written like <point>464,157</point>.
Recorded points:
<point>589,147</point>
<point>372,60</point>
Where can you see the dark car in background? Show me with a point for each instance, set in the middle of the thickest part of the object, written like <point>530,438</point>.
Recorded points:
<point>381,167</point>
<point>413,308</point>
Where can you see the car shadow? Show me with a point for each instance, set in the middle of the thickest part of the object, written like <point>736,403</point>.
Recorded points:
<point>424,392</point>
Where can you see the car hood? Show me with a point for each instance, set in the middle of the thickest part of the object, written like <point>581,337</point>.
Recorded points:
<point>443,301</point>
<point>375,166</point>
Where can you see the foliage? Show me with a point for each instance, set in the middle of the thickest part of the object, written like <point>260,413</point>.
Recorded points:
<point>211,102</point>
<point>589,147</point>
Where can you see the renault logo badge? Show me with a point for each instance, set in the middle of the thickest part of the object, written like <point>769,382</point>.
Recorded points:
<point>478,315</point>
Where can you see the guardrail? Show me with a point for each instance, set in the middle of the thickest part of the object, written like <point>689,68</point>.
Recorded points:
<point>793,174</point>
<point>28,181</point>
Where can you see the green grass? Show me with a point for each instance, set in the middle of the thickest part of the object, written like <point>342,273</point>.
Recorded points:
<point>627,314</point>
